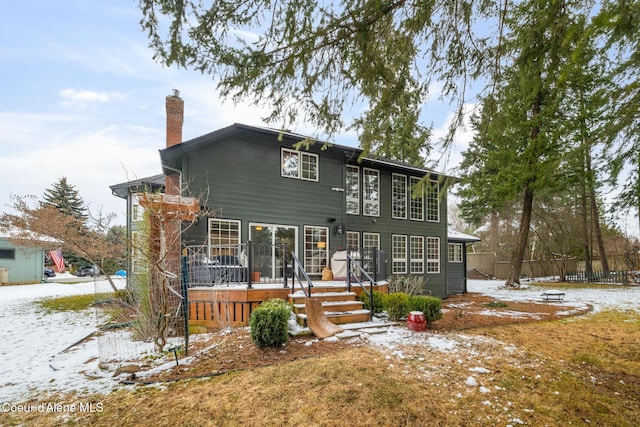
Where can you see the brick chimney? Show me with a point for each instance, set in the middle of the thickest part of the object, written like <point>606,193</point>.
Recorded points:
<point>175,118</point>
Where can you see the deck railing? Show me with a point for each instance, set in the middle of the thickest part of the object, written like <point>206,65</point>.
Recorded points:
<point>298,267</point>
<point>246,263</point>
<point>357,272</point>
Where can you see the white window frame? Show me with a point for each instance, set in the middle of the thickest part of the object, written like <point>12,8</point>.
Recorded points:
<point>354,237</point>
<point>398,196</point>
<point>433,201</point>
<point>369,238</point>
<point>312,263</point>
<point>304,171</point>
<point>433,255</point>
<point>223,244</point>
<point>399,253</point>
<point>455,252</point>
<point>416,204</point>
<point>138,249</point>
<point>137,210</point>
<point>370,196</point>
<point>353,197</point>
<point>416,254</point>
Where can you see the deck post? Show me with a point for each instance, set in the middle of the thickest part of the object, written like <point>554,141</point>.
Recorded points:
<point>250,263</point>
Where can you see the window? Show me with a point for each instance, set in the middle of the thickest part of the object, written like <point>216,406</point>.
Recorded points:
<point>371,240</point>
<point>371,192</point>
<point>416,254</point>
<point>139,252</point>
<point>316,245</point>
<point>433,201</point>
<point>455,252</point>
<point>299,165</point>
<point>353,190</point>
<point>223,236</point>
<point>433,255</point>
<point>7,254</point>
<point>137,211</point>
<point>399,254</point>
<point>399,196</point>
<point>353,240</point>
<point>416,209</point>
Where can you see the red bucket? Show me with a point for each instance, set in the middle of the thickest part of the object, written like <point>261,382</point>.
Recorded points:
<point>416,321</point>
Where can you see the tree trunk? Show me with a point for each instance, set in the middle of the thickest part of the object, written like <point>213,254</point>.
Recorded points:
<point>588,263</point>
<point>596,225</point>
<point>513,279</point>
<point>494,232</point>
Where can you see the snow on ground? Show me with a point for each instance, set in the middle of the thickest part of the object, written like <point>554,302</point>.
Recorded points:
<point>46,352</point>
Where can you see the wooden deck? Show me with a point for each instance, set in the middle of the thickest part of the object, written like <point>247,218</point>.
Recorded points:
<point>212,308</point>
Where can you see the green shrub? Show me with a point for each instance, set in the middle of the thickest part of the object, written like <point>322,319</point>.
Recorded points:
<point>269,323</point>
<point>430,306</point>
<point>396,305</point>
<point>378,306</point>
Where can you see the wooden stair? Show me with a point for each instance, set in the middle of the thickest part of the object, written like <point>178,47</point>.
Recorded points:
<point>340,306</point>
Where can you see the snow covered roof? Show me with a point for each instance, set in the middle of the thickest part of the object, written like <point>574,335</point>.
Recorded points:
<point>461,237</point>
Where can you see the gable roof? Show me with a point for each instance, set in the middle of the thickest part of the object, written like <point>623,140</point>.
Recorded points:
<point>152,183</point>
<point>169,156</point>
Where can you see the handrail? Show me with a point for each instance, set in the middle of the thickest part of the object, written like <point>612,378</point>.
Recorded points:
<point>350,262</point>
<point>298,265</point>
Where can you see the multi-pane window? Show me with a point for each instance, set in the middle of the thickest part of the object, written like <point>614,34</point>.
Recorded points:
<point>433,255</point>
<point>399,254</point>
<point>137,211</point>
<point>433,201</point>
<point>399,196</point>
<point>139,252</point>
<point>353,190</point>
<point>455,252</point>
<point>416,206</point>
<point>353,240</point>
<point>416,254</point>
<point>224,236</point>
<point>300,165</point>
<point>371,192</point>
<point>316,244</point>
<point>371,240</point>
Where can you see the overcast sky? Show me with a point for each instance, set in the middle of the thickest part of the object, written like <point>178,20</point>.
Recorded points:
<point>83,98</point>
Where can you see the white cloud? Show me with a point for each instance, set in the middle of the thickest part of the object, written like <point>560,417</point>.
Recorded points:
<point>85,96</point>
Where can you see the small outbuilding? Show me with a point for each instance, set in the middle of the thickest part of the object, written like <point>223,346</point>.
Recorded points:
<point>20,263</point>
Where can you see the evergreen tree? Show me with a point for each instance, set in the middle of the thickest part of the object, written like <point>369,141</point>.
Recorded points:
<point>64,197</point>
<point>519,150</point>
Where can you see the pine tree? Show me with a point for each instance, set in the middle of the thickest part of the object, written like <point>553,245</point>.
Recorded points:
<point>64,197</point>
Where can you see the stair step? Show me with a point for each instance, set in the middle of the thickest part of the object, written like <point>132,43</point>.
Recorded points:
<point>332,306</point>
<point>323,296</point>
<point>339,317</point>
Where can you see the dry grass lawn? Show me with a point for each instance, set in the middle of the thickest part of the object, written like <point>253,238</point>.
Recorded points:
<point>582,370</point>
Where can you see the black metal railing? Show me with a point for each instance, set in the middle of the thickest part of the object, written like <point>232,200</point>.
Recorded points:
<point>297,266</point>
<point>605,277</point>
<point>242,263</point>
<point>355,271</point>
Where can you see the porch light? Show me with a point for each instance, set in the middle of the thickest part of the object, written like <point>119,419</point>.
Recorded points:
<point>258,228</point>
<point>322,245</point>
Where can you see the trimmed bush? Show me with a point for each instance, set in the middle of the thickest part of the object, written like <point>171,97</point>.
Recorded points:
<point>269,323</point>
<point>430,306</point>
<point>396,305</point>
<point>378,306</point>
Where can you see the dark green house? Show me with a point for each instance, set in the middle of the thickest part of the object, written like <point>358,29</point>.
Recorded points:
<point>256,185</point>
